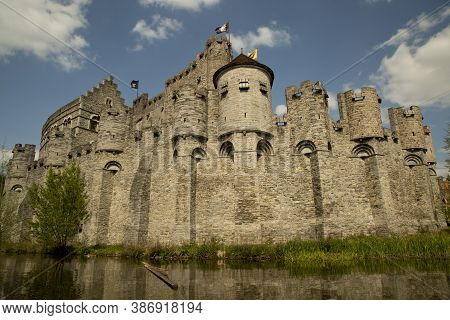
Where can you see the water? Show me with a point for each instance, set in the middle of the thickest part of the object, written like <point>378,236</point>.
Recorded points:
<point>24,277</point>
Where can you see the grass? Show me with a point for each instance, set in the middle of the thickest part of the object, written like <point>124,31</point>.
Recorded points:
<point>322,253</point>
<point>19,248</point>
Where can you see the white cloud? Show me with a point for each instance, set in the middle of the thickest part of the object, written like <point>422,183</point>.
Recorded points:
<point>269,36</point>
<point>62,19</point>
<point>281,110</point>
<point>332,101</point>
<point>385,116</point>
<point>347,86</point>
<point>191,5</point>
<point>414,27</point>
<point>160,28</point>
<point>417,74</point>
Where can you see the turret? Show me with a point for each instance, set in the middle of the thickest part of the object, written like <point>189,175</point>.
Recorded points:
<point>22,157</point>
<point>245,102</point>
<point>307,113</point>
<point>407,127</point>
<point>360,113</point>
<point>191,112</point>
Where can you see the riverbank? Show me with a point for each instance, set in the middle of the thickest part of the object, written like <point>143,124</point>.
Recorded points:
<point>320,253</point>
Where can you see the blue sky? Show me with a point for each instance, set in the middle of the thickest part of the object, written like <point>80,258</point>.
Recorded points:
<point>151,40</point>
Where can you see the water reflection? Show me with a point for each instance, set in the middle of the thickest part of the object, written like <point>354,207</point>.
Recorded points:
<point>28,278</point>
<point>109,278</point>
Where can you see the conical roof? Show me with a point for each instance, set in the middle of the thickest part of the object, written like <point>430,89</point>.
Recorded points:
<point>243,61</point>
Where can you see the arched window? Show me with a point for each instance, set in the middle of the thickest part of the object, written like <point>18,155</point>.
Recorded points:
<point>109,102</point>
<point>93,123</point>
<point>17,188</point>
<point>305,147</point>
<point>363,151</point>
<point>432,172</point>
<point>227,150</point>
<point>198,154</point>
<point>263,148</point>
<point>113,166</point>
<point>413,160</point>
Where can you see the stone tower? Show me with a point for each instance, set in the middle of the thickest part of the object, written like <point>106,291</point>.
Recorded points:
<point>308,116</point>
<point>407,127</point>
<point>23,156</point>
<point>215,49</point>
<point>112,128</point>
<point>245,108</point>
<point>360,113</point>
<point>191,112</point>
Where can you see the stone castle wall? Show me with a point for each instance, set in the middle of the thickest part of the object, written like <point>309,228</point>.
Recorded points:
<point>198,162</point>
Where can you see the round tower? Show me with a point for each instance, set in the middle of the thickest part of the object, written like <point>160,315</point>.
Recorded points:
<point>112,131</point>
<point>245,102</point>
<point>407,127</point>
<point>363,113</point>
<point>191,112</point>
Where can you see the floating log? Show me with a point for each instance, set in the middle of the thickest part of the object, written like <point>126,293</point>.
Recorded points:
<point>161,275</point>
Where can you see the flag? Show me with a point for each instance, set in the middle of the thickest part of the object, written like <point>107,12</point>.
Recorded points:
<point>223,28</point>
<point>253,54</point>
<point>135,84</point>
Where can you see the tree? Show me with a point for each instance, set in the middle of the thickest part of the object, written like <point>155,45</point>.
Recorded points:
<point>9,222</point>
<point>59,207</point>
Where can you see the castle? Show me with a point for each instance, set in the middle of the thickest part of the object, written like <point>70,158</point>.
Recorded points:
<point>206,159</point>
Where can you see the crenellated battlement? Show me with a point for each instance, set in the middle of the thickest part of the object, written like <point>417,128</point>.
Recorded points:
<point>27,148</point>
<point>215,46</point>
<point>108,81</point>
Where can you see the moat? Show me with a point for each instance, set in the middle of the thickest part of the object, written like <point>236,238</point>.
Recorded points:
<point>25,277</point>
